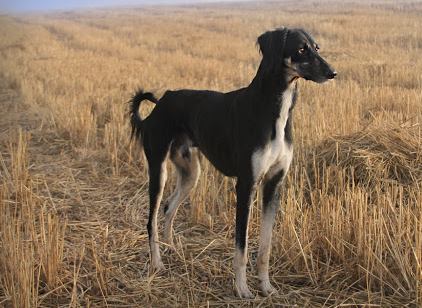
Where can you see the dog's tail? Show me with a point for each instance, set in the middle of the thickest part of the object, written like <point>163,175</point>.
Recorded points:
<point>135,118</point>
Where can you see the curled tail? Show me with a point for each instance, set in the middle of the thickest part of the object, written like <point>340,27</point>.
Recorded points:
<point>135,118</point>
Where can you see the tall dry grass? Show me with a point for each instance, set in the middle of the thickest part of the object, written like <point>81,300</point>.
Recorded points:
<point>73,189</point>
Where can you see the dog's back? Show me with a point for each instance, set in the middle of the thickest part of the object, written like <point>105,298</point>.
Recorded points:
<point>206,118</point>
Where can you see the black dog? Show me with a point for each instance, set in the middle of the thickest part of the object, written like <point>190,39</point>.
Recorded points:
<point>245,134</point>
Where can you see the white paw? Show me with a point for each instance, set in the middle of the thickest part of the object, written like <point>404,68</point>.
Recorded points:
<point>244,292</point>
<point>157,265</point>
<point>169,250</point>
<point>168,241</point>
<point>266,288</point>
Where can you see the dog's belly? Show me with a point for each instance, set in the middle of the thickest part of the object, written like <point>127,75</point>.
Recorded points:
<point>221,162</point>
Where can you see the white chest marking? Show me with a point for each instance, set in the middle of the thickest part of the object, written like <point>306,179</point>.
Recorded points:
<point>277,152</point>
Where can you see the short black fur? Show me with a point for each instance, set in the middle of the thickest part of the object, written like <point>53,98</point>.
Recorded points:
<point>135,118</point>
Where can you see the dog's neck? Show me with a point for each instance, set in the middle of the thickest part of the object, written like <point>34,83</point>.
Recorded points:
<point>271,84</point>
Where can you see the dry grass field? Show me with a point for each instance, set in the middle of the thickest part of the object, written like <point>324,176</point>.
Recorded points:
<point>73,190</point>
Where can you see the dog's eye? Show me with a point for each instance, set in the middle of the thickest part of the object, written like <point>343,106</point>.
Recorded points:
<point>301,50</point>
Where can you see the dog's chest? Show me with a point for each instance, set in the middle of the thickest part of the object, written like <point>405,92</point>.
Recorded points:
<point>277,153</point>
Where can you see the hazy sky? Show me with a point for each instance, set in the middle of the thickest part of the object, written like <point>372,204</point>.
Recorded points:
<point>36,5</point>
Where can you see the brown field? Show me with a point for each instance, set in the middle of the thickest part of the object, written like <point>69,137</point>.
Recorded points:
<point>73,189</point>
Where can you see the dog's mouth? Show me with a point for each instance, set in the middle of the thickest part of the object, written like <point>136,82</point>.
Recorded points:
<point>296,71</point>
<point>320,78</point>
<point>329,77</point>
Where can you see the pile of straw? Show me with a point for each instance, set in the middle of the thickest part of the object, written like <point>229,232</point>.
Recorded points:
<point>377,155</point>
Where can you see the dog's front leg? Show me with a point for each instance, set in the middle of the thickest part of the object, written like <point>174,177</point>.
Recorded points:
<point>245,188</point>
<point>270,204</point>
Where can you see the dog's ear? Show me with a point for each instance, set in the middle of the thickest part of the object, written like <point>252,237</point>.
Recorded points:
<point>271,45</point>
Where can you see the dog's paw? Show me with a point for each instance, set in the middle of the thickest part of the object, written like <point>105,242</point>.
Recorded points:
<point>168,240</point>
<point>169,250</point>
<point>244,293</point>
<point>157,266</point>
<point>266,288</point>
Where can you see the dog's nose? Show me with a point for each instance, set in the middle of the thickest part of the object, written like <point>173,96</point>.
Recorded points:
<point>332,75</point>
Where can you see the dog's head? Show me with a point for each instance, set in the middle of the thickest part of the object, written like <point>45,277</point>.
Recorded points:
<point>295,51</point>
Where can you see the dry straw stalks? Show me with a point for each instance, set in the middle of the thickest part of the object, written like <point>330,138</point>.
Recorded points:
<point>73,189</point>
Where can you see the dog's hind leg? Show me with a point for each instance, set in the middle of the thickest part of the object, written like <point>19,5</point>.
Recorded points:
<point>271,202</point>
<point>157,170</point>
<point>188,170</point>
